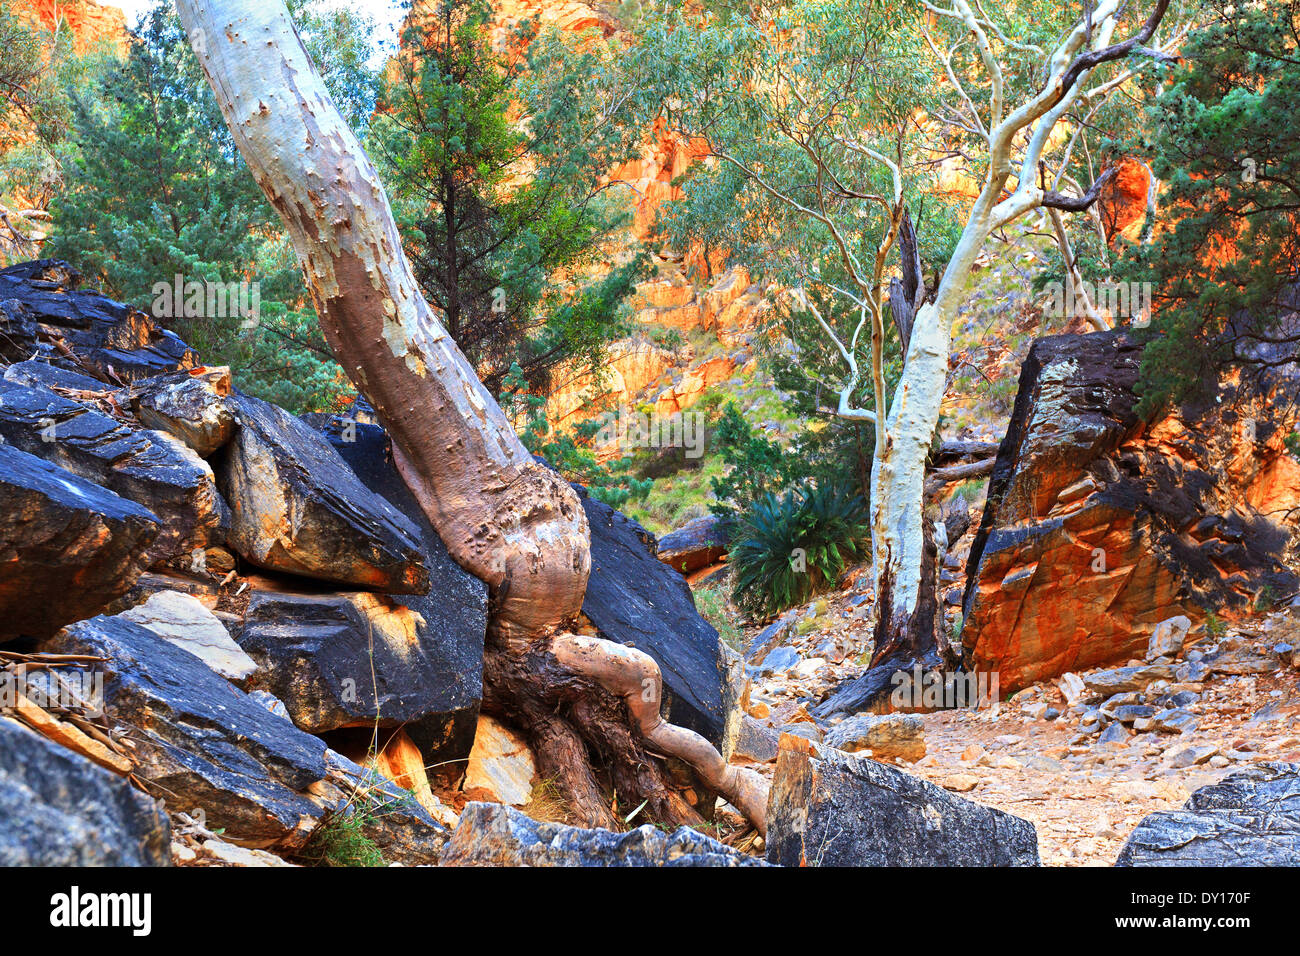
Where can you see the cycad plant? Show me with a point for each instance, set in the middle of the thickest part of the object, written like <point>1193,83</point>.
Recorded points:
<point>784,550</point>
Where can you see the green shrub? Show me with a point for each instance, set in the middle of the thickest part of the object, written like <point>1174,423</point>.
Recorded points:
<point>787,549</point>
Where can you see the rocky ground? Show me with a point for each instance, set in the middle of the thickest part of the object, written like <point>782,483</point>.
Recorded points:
<point>1085,792</point>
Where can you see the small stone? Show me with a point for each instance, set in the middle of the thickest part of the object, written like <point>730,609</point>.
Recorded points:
<point>960,782</point>
<point>1175,721</point>
<point>1192,756</point>
<point>1168,636</point>
<point>1219,762</point>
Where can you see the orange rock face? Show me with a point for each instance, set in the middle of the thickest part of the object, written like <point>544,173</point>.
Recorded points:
<point>1124,200</point>
<point>90,22</point>
<point>1098,527</point>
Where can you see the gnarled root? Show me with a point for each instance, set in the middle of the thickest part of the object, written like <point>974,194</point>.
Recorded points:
<point>634,676</point>
<point>565,716</point>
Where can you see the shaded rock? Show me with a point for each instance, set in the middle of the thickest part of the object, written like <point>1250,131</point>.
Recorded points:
<point>1249,818</point>
<point>59,809</point>
<point>184,621</point>
<point>756,741</point>
<point>147,467</point>
<point>500,768</point>
<point>781,659</point>
<point>829,808</point>
<point>885,735</point>
<point>201,742</point>
<point>67,546</point>
<point>1167,639</point>
<point>297,507</point>
<point>634,598</point>
<point>41,300</point>
<point>455,607</point>
<point>1098,526</point>
<point>190,405</point>
<point>490,834</point>
<point>356,659</point>
<point>42,374</point>
<point>771,637</point>
<point>697,544</point>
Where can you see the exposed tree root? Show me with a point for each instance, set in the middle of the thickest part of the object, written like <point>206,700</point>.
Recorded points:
<point>634,676</point>
<point>577,695</point>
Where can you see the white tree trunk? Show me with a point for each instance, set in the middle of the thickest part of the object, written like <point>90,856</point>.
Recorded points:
<point>508,520</point>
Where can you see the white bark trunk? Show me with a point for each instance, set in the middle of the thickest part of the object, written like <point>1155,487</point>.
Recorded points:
<point>505,518</point>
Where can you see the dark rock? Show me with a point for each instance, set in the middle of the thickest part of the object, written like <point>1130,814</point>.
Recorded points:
<point>454,610</point>
<point>633,598</point>
<point>1128,713</point>
<point>491,834</point>
<point>297,507</point>
<point>67,547</point>
<point>41,301</point>
<point>359,659</point>
<point>59,809</point>
<point>192,406</point>
<point>1095,528</point>
<point>1249,818</point>
<point>828,808</point>
<point>771,637</point>
<point>201,742</point>
<point>695,545</point>
<point>147,467</point>
<point>756,741</point>
<point>43,374</point>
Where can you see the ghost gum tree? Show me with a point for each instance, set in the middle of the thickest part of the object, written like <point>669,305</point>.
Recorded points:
<point>824,122</point>
<point>505,518</point>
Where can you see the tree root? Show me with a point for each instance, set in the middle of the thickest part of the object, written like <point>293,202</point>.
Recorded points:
<point>634,676</point>
<point>574,696</point>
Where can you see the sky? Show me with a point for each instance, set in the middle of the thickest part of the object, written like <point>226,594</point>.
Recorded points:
<point>387,14</point>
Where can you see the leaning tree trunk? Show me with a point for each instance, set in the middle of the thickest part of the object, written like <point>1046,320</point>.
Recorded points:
<point>505,518</point>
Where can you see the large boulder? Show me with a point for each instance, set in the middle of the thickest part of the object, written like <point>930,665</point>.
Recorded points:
<point>454,610</point>
<point>697,544</point>
<point>297,507</point>
<point>147,467</point>
<point>191,405</point>
<point>41,301</point>
<point>490,834</point>
<point>829,808</point>
<point>633,598</point>
<point>59,809</point>
<point>1099,526</point>
<point>204,744</point>
<point>1249,818</point>
<point>360,659</point>
<point>67,547</point>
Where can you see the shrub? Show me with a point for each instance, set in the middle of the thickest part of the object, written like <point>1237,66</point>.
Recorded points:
<point>787,549</point>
